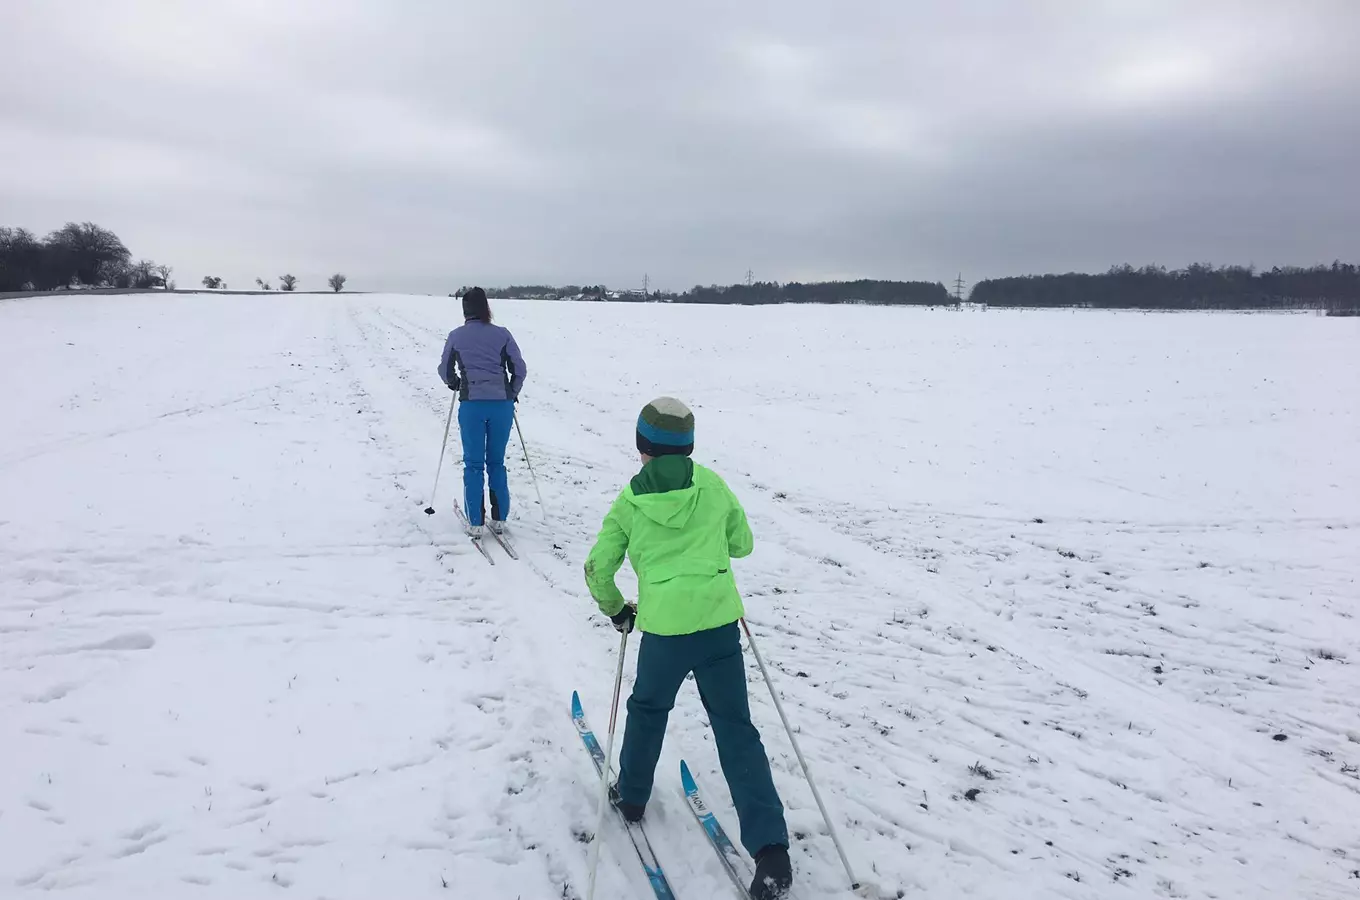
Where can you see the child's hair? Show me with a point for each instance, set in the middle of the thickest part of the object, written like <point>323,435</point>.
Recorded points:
<point>476,307</point>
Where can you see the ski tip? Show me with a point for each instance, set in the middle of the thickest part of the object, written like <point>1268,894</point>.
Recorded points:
<point>686,778</point>
<point>576,710</point>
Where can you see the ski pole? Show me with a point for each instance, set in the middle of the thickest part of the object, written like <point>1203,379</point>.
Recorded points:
<point>525,447</point>
<point>816,795</point>
<point>604,777</point>
<point>429,510</point>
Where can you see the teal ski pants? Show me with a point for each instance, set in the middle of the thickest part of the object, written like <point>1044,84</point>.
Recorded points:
<point>714,656</point>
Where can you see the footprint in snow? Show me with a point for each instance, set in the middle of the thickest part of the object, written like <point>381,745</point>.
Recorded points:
<point>140,832</point>
<point>140,846</point>
<point>137,640</point>
<point>55,692</point>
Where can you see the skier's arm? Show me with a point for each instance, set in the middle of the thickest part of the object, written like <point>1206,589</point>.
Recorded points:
<point>740,541</point>
<point>514,361</point>
<point>606,557</point>
<point>446,367</point>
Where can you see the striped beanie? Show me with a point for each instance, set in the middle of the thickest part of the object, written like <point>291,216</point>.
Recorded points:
<point>665,428</point>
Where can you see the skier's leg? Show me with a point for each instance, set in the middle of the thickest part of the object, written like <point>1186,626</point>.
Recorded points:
<point>500,419</point>
<point>722,688</point>
<point>472,428</point>
<point>662,667</point>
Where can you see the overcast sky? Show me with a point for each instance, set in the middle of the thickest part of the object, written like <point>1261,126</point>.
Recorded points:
<point>425,145</point>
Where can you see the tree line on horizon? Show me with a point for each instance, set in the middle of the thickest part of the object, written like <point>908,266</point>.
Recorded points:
<point>867,291</point>
<point>760,293</point>
<point>556,292</point>
<point>287,283</point>
<point>1200,286</point>
<point>1197,286</point>
<point>75,254</point>
<point>85,255</point>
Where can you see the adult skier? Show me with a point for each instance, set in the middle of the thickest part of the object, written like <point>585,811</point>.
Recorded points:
<point>482,362</point>
<point>681,526</point>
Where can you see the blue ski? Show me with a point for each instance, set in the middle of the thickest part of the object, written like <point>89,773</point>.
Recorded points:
<point>636,833</point>
<point>736,866</point>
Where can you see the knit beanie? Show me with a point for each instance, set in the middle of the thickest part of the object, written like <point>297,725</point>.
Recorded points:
<point>665,428</point>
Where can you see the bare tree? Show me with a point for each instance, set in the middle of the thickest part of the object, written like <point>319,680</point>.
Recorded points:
<point>287,282</point>
<point>212,282</point>
<point>165,272</point>
<point>90,254</point>
<point>142,274</point>
<point>118,275</point>
<point>264,285</point>
<point>337,282</point>
<point>21,260</point>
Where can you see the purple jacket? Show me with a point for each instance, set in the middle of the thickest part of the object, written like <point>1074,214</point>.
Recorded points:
<point>482,362</point>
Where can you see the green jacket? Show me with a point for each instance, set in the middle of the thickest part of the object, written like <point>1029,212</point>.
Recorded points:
<point>681,527</point>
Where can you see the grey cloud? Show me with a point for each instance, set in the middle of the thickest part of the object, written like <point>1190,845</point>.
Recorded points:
<point>421,146</point>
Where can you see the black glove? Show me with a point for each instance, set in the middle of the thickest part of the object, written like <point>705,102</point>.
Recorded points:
<point>453,385</point>
<point>624,618</point>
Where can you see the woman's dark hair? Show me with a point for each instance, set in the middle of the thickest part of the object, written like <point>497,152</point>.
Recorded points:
<point>476,307</point>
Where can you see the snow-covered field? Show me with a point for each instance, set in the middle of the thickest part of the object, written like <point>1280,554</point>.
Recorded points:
<point>1099,568</point>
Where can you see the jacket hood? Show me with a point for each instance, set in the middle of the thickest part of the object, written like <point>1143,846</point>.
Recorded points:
<point>664,491</point>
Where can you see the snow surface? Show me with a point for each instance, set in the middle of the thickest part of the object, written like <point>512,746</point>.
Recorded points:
<point>1098,567</point>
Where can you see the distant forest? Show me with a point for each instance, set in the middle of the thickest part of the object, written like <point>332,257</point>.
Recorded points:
<point>1200,286</point>
<point>874,293</point>
<point>1335,288</point>
<point>878,293</point>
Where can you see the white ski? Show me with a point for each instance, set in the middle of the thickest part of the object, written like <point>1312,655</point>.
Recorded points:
<point>476,541</point>
<point>504,540</point>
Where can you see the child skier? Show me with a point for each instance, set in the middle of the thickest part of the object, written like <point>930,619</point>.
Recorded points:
<point>681,526</point>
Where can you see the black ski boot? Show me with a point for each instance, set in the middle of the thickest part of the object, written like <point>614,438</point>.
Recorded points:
<point>774,874</point>
<point>631,811</point>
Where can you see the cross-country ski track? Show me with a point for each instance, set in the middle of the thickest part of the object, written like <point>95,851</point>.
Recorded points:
<point>1068,624</point>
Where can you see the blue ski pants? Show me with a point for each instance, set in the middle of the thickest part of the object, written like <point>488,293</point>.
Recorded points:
<point>714,656</point>
<point>485,428</point>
